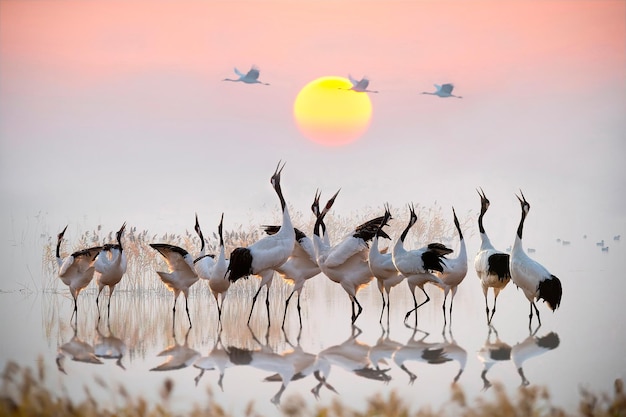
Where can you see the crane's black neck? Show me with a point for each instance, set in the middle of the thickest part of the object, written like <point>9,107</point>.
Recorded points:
<point>521,224</point>
<point>406,231</point>
<point>59,247</point>
<point>280,195</point>
<point>458,228</point>
<point>201,236</point>
<point>119,241</point>
<point>316,227</point>
<point>219,232</point>
<point>481,229</point>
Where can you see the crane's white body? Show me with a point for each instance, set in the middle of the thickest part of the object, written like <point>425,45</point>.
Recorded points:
<point>491,265</point>
<point>251,77</point>
<point>76,270</point>
<point>382,267</point>
<point>412,264</point>
<point>266,254</point>
<point>443,91</point>
<point>360,86</point>
<point>181,273</point>
<point>454,270</point>
<point>529,275</point>
<point>298,269</point>
<point>213,269</point>
<point>110,266</point>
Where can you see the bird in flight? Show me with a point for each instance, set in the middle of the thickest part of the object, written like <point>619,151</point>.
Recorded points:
<point>443,91</point>
<point>360,86</point>
<point>251,77</point>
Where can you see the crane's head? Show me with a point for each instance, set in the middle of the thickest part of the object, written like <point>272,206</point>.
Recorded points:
<point>523,202</point>
<point>384,222</point>
<point>121,231</point>
<point>387,214</point>
<point>220,227</point>
<point>315,207</point>
<point>484,201</point>
<point>275,180</point>
<point>196,227</point>
<point>413,217</point>
<point>456,220</point>
<point>60,235</point>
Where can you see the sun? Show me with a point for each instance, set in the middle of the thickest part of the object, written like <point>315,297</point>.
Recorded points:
<point>328,113</point>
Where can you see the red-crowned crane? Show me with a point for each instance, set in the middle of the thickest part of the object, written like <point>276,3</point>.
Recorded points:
<point>492,265</point>
<point>266,254</point>
<point>110,267</point>
<point>76,270</point>
<point>529,275</point>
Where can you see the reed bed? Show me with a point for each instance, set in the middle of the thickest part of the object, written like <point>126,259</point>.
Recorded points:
<point>433,224</point>
<point>24,393</point>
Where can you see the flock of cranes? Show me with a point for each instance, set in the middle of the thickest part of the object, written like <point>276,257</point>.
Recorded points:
<point>353,262</point>
<point>359,86</point>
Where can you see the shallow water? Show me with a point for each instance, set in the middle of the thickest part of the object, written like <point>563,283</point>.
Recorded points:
<point>586,348</point>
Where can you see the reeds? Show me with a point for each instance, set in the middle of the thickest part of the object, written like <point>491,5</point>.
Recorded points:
<point>432,225</point>
<point>24,393</point>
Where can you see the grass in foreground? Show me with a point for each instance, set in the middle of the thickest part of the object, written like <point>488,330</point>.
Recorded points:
<point>23,393</point>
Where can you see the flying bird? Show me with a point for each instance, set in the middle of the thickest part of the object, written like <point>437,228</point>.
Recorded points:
<point>529,275</point>
<point>251,77</point>
<point>360,86</point>
<point>442,91</point>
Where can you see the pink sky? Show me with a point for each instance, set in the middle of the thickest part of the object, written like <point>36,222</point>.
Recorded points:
<point>482,41</point>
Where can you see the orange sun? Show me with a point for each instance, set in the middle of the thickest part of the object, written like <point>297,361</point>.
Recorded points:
<point>328,113</point>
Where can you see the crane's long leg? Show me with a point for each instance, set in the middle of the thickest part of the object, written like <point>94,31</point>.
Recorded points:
<point>108,304</point>
<point>487,309</point>
<point>267,306</point>
<point>299,311</point>
<point>360,308</point>
<point>187,308</point>
<point>443,307</point>
<point>417,306</point>
<point>530,316</point>
<point>352,304</point>
<point>452,301</point>
<point>287,305</point>
<point>253,302</point>
<point>98,299</point>
<point>495,300</point>
<point>388,308</point>
<point>406,316</point>
<point>382,294</point>
<point>75,311</point>
<point>174,312</point>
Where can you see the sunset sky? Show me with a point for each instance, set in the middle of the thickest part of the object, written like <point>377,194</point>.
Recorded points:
<point>115,111</point>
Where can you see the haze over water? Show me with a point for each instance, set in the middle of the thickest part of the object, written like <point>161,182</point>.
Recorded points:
<point>113,113</point>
